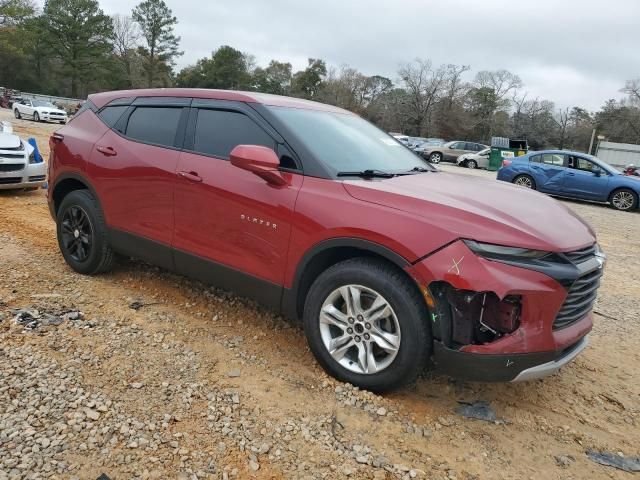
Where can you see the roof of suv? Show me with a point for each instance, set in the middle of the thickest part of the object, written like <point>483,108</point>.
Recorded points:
<point>101,99</point>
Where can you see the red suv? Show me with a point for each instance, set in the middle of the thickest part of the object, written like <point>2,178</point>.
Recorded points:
<point>321,216</point>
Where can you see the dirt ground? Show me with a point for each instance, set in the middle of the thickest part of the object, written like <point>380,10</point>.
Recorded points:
<point>198,383</point>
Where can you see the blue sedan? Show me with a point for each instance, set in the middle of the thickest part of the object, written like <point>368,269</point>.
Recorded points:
<point>572,175</point>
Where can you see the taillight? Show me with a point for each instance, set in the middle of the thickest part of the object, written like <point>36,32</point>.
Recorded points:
<point>506,163</point>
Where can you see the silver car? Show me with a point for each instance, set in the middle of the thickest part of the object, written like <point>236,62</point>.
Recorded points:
<point>18,166</point>
<point>450,151</point>
<point>475,160</point>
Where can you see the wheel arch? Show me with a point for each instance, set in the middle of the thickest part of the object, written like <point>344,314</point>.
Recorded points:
<point>624,187</point>
<point>325,254</point>
<point>66,184</point>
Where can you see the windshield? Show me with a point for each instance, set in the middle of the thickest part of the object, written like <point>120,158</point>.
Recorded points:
<point>347,143</point>
<point>40,103</point>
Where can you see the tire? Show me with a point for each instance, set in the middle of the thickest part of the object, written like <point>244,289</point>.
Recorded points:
<point>471,164</point>
<point>405,309</point>
<point>525,181</point>
<point>623,199</point>
<point>16,112</point>
<point>36,117</point>
<point>435,157</point>
<point>91,232</point>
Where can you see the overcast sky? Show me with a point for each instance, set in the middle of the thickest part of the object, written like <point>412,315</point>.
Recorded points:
<point>573,52</point>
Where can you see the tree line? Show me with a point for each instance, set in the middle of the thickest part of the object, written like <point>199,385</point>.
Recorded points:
<point>72,48</point>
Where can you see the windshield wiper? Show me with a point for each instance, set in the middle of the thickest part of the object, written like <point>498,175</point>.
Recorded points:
<point>419,170</point>
<point>369,173</point>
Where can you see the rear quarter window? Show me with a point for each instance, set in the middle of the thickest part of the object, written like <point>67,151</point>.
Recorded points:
<point>156,125</point>
<point>110,115</point>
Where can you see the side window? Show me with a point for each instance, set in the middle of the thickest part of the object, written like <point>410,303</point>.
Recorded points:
<point>110,115</point>
<point>472,146</point>
<point>581,164</point>
<point>458,146</point>
<point>157,125</point>
<point>220,131</point>
<point>535,159</point>
<point>555,159</point>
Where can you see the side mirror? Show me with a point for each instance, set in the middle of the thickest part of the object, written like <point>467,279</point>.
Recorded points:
<point>261,161</point>
<point>597,172</point>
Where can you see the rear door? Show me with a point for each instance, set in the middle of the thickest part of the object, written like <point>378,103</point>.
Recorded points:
<point>548,170</point>
<point>133,167</point>
<point>454,151</point>
<point>229,216</point>
<point>585,179</point>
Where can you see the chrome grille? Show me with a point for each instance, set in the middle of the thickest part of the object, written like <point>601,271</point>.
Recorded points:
<point>580,299</point>
<point>10,180</point>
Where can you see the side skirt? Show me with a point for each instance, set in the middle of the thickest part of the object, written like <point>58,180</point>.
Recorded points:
<point>266,293</point>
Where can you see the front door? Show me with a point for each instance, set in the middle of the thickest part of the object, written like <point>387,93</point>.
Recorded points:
<point>454,151</point>
<point>585,179</point>
<point>232,228</point>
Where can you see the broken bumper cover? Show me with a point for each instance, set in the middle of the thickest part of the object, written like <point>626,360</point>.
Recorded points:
<point>504,368</point>
<point>536,348</point>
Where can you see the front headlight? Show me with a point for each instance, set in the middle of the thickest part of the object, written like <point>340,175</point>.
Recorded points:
<point>499,252</point>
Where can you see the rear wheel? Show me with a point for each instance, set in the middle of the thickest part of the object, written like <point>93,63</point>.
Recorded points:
<point>435,157</point>
<point>36,117</point>
<point>82,234</point>
<point>525,181</point>
<point>366,324</point>
<point>624,199</point>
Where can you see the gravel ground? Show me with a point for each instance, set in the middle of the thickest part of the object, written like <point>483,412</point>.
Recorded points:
<point>194,383</point>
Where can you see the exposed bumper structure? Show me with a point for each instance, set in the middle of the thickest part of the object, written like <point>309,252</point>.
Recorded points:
<point>471,345</point>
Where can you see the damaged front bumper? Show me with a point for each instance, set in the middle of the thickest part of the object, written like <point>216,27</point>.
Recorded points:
<point>22,175</point>
<point>496,321</point>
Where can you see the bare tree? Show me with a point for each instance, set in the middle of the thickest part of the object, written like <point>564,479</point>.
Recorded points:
<point>424,85</point>
<point>502,82</point>
<point>562,121</point>
<point>126,38</point>
<point>632,88</point>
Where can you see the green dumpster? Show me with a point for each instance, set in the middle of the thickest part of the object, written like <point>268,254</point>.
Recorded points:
<point>504,148</point>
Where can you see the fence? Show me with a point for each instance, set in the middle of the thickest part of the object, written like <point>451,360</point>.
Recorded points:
<point>619,154</point>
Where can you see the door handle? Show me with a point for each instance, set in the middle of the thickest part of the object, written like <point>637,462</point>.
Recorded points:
<point>106,151</point>
<point>571,174</point>
<point>191,176</point>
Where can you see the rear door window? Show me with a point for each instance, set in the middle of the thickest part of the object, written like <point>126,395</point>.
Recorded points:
<point>110,115</point>
<point>218,132</point>
<point>555,159</point>
<point>156,125</point>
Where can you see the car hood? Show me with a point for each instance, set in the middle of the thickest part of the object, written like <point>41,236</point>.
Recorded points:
<point>52,110</point>
<point>480,209</point>
<point>9,141</point>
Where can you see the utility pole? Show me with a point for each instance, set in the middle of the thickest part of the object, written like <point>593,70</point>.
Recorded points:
<point>593,136</point>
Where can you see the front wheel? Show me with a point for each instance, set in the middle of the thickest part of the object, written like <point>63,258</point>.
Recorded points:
<point>366,324</point>
<point>16,112</point>
<point>471,164</point>
<point>435,157</point>
<point>525,181</point>
<point>82,234</point>
<point>624,199</point>
<point>36,117</point>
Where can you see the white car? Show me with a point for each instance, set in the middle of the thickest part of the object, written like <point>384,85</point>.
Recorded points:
<point>39,110</point>
<point>18,166</point>
<point>474,160</point>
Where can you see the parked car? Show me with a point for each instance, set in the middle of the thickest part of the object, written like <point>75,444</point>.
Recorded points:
<point>475,160</point>
<point>39,111</point>
<point>450,151</point>
<point>19,169</point>
<point>428,142</point>
<point>573,175</point>
<point>321,216</point>
<point>415,141</point>
<point>404,139</point>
